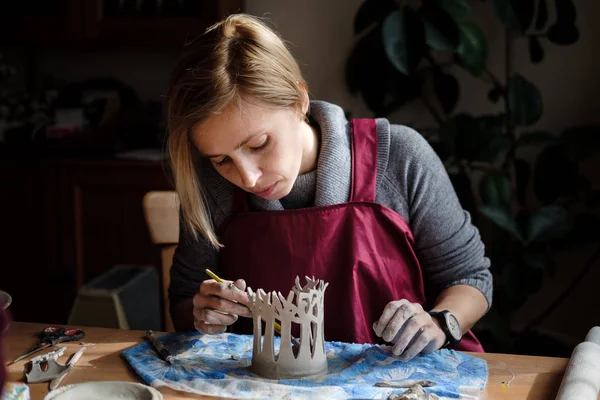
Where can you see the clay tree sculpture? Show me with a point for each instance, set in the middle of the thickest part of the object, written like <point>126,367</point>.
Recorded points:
<point>302,306</point>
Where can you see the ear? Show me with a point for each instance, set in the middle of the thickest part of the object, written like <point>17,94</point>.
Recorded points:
<point>305,98</point>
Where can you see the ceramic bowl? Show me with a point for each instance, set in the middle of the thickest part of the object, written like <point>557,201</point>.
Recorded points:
<point>5,299</point>
<point>105,390</point>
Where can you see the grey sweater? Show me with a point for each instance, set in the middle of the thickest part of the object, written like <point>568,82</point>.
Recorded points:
<point>411,180</point>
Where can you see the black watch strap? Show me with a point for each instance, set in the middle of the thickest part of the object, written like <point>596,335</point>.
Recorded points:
<point>440,316</point>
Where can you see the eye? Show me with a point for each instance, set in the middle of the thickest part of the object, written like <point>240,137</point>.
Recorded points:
<point>222,162</point>
<point>261,146</point>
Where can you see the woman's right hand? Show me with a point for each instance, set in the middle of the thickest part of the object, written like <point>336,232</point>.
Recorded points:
<point>218,305</point>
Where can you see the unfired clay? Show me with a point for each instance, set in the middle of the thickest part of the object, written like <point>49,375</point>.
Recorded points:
<point>53,367</point>
<point>105,390</point>
<point>303,306</point>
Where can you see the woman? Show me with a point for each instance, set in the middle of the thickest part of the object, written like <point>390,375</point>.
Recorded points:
<point>274,186</point>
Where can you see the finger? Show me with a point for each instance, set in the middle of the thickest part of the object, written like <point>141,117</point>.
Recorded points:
<point>386,316</point>
<point>410,331</point>
<point>415,348</point>
<point>225,306</point>
<point>403,314</point>
<point>209,329</point>
<point>240,284</point>
<point>214,317</point>
<point>226,290</point>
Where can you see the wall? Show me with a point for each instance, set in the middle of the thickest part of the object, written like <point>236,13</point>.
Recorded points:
<point>320,33</point>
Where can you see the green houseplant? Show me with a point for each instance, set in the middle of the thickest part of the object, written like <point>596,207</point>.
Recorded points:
<point>407,50</point>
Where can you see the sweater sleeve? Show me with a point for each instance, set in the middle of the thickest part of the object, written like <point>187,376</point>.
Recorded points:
<point>192,257</point>
<point>447,244</point>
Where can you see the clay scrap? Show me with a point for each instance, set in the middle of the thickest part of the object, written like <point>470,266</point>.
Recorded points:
<point>415,392</point>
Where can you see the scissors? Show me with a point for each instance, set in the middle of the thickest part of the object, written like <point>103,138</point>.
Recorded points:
<point>50,337</point>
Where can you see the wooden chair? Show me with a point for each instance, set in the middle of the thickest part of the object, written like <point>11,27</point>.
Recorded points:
<point>161,210</point>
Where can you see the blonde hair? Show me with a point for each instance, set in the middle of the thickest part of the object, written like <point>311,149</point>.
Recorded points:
<point>237,58</point>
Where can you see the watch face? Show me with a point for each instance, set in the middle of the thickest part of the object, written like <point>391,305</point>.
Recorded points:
<point>453,326</point>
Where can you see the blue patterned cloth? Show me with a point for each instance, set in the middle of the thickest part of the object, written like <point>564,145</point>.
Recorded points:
<point>218,365</point>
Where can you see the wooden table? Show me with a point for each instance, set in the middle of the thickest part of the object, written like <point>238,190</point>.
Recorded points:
<point>535,378</point>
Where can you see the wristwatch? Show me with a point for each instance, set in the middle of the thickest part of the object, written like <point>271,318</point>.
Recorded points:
<point>449,325</point>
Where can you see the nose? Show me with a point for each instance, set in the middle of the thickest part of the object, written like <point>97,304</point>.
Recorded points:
<point>249,173</point>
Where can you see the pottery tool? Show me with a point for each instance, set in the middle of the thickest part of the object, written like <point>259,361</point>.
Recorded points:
<point>163,352</point>
<point>56,381</point>
<point>51,336</point>
<point>277,326</point>
<point>52,368</point>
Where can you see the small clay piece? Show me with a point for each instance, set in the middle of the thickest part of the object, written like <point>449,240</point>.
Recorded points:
<point>405,384</point>
<point>53,370</point>
<point>302,306</point>
<point>416,392</point>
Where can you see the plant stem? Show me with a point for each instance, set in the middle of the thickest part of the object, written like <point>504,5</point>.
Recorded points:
<point>584,271</point>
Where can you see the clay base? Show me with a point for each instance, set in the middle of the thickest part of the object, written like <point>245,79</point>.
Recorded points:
<point>272,371</point>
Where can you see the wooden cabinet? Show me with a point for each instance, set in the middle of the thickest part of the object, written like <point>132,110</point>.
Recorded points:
<point>65,222</point>
<point>31,270</point>
<point>109,22</point>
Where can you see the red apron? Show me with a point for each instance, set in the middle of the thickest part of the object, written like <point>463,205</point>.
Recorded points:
<point>363,249</point>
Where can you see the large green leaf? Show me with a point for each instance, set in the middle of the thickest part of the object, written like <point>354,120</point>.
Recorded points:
<point>441,32</point>
<point>369,71</point>
<point>394,40</point>
<point>472,49</point>
<point>371,12</point>
<point>522,176</point>
<point>495,190</point>
<point>494,94</point>
<point>542,14</point>
<point>565,11</point>
<point>564,31</point>
<point>516,15</point>
<point>536,51</point>
<point>502,217</point>
<point>525,101</point>
<point>549,222</point>
<point>403,36</point>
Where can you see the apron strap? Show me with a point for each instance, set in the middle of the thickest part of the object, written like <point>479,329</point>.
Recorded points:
<point>364,159</point>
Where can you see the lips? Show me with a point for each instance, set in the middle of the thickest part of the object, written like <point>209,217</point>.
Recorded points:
<point>266,192</point>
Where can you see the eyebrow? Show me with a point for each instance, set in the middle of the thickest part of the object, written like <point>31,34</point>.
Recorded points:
<point>242,143</point>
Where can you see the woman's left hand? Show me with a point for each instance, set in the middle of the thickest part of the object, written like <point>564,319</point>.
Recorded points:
<point>412,330</point>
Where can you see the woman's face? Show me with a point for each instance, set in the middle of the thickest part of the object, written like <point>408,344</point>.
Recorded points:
<point>258,148</point>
